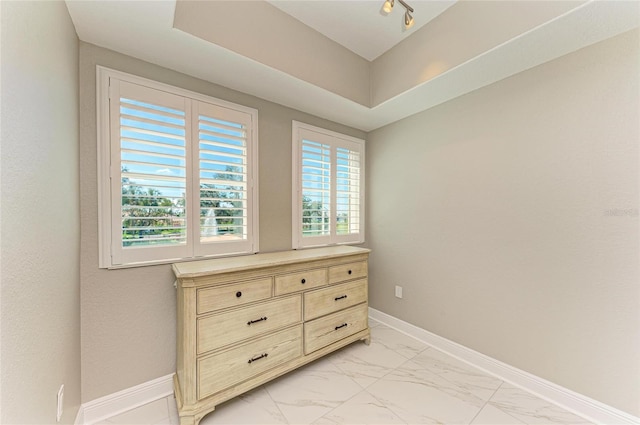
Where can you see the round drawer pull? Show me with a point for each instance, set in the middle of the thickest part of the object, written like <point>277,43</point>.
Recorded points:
<point>238,294</point>
<point>349,272</point>
<point>303,281</point>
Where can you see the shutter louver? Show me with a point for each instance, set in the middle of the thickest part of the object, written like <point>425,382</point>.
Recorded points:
<point>153,174</point>
<point>328,187</point>
<point>223,180</point>
<point>177,174</point>
<point>316,189</point>
<point>347,191</point>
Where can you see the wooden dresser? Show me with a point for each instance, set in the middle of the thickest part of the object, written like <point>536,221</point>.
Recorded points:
<point>243,321</point>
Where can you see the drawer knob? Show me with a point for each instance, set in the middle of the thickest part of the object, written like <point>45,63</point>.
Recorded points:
<point>349,272</point>
<point>303,281</point>
<point>261,356</point>
<point>238,294</point>
<point>262,319</point>
<point>341,326</point>
<point>340,298</point>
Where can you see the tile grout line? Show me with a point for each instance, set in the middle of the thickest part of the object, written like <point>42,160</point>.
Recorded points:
<point>455,383</point>
<point>388,373</point>
<point>264,386</point>
<point>339,405</point>
<point>425,349</point>
<point>166,405</point>
<point>502,382</point>
<point>364,389</point>
<point>507,413</point>
<point>486,402</point>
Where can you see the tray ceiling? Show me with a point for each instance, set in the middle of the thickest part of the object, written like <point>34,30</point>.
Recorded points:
<point>454,48</point>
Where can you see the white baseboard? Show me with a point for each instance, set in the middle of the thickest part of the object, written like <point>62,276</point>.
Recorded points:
<point>122,401</point>
<point>593,410</point>
<point>79,417</point>
<point>579,404</point>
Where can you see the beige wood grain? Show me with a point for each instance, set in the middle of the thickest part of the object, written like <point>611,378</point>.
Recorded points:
<point>249,273</point>
<point>214,341</point>
<point>348,271</point>
<point>186,340</point>
<point>208,404</point>
<point>220,297</point>
<point>219,371</point>
<point>300,281</point>
<point>218,330</point>
<point>194,269</point>
<point>326,330</point>
<point>181,349</point>
<point>328,300</point>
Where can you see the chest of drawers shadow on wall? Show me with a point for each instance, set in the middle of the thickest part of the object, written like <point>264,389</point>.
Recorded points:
<point>243,321</point>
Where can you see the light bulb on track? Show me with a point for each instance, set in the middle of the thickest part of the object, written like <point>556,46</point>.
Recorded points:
<point>387,6</point>
<point>408,20</point>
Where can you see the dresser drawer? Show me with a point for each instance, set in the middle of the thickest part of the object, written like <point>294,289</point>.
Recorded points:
<point>221,370</point>
<point>219,297</point>
<point>326,330</point>
<point>347,272</point>
<point>294,282</point>
<point>328,300</point>
<point>222,329</point>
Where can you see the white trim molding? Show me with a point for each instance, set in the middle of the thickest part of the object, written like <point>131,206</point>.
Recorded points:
<point>79,417</point>
<point>189,108</point>
<point>122,401</point>
<point>579,404</point>
<point>334,154</point>
<point>592,410</point>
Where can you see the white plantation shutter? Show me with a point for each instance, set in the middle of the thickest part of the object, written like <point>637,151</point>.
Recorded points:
<point>328,187</point>
<point>348,202</point>
<point>149,150</point>
<point>225,188</point>
<point>176,174</point>
<point>315,177</point>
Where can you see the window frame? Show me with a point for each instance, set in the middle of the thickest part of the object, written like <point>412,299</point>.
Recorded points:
<point>335,140</point>
<point>108,169</point>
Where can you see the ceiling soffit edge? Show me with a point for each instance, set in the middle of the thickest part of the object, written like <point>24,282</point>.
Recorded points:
<point>96,23</point>
<point>262,32</point>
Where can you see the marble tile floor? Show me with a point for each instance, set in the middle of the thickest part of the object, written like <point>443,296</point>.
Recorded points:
<point>395,380</point>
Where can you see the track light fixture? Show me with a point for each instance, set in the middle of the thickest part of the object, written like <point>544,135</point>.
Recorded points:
<point>408,20</point>
<point>387,7</point>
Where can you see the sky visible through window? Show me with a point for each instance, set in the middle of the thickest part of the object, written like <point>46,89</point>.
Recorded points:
<point>316,189</point>
<point>153,149</point>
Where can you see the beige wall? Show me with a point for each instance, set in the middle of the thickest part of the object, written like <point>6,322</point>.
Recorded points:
<point>40,213</point>
<point>264,33</point>
<point>466,30</point>
<point>128,316</point>
<point>510,217</point>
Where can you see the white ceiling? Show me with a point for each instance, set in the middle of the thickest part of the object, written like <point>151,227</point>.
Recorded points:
<point>359,25</point>
<point>144,29</point>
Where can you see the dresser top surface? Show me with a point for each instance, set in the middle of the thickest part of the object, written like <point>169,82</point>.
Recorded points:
<point>193,269</point>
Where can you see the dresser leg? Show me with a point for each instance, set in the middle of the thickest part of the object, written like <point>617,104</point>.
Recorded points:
<point>192,420</point>
<point>367,340</point>
<point>187,420</point>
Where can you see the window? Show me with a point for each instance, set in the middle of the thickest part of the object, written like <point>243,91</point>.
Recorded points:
<point>328,187</point>
<point>176,171</point>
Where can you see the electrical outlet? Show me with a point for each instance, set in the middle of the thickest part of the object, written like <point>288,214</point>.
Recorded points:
<point>60,403</point>
<point>398,291</point>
